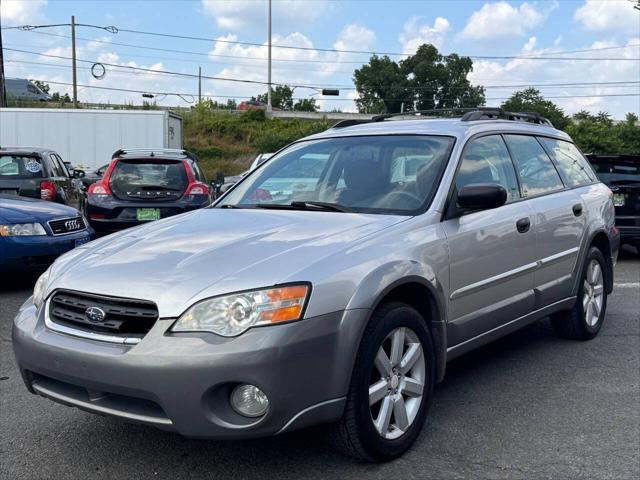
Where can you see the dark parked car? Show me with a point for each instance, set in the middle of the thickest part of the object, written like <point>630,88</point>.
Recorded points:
<point>39,173</point>
<point>93,176</point>
<point>34,232</point>
<point>621,173</point>
<point>142,185</point>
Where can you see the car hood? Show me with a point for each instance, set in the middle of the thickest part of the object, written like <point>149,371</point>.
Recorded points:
<point>23,210</point>
<point>183,259</point>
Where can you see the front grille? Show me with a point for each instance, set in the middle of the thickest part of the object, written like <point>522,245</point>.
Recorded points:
<point>97,314</point>
<point>67,225</point>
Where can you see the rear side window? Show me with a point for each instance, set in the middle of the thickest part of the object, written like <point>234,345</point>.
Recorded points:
<point>535,169</point>
<point>148,176</point>
<point>57,168</point>
<point>574,168</point>
<point>18,166</point>
<point>486,160</point>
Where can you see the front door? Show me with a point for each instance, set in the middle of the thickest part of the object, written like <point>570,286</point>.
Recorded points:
<point>492,252</point>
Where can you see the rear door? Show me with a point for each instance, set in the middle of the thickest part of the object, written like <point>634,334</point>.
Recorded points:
<point>20,174</point>
<point>560,218</point>
<point>492,252</point>
<point>63,181</point>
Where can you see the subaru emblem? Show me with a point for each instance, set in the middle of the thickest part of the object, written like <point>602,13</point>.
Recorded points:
<point>95,314</point>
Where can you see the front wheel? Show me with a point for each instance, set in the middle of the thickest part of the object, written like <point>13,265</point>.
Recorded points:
<point>391,386</point>
<point>584,320</point>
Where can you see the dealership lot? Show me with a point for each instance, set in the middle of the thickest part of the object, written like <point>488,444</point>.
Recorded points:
<point>527,406</point>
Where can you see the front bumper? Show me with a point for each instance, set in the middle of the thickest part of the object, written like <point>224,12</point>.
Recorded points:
<point>182,382</point>
<point>34,252</point>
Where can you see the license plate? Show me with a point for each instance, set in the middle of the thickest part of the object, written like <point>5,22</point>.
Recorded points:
<point>618,199</point>
<point>147,214</point>
<point>82,241</point>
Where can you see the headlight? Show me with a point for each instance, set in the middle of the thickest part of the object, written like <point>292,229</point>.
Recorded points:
<point>230,315</point>
<point>21,229</point>
<point>40,288</point>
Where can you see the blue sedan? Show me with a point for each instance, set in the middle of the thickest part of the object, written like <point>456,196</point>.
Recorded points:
<point>34,232</point>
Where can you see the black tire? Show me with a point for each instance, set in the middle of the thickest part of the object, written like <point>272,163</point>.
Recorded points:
<point>572,324</point>
<point>355,434</point>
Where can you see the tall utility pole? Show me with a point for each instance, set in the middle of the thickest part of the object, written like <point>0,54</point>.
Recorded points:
<point>199,85</point>
<point>3,92</point>
<point>73,61</point>
<point>269,65</point>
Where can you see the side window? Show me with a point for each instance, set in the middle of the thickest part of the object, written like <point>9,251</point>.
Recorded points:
<point>32,89</point>
<point>535,169</point>
<point>574,168</point>
<point>486,160</point>
<point>56,169</point>
<point>62,165</point>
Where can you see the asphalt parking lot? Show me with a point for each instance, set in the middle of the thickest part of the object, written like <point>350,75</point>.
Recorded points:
<point>527,406</point>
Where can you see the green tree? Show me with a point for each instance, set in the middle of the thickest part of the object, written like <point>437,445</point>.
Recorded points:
<point>42,86</point>
<point>423,81</point>
<point>530,100</point>
<point>629,134</point>
<point>439,81</point>
<point>281,97</point>
<point>381,86</point>
<point>306,105</point>
<point>595,133</point>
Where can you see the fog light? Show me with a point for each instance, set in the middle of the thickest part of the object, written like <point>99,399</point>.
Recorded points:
<point>249,401</point>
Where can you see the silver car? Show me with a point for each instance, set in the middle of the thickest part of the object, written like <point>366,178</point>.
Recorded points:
<point>331,285</point>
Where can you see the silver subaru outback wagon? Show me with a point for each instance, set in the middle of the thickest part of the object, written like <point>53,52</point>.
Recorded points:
<point>331,285</point>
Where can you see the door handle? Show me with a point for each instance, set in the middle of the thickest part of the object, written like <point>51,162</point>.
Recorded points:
<point>577,209</point>
<point>523,225</point>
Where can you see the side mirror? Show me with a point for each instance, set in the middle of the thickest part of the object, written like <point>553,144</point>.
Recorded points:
<point>78,173</point>
<point>219,178</point>
<point>481,196</point>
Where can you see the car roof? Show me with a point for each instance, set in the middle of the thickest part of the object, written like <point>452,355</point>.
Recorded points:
<point>26,150</point>
<point>147,153</point>
<point>454,127</point>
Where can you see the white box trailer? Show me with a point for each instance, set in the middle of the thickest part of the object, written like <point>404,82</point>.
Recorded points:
<point>88,138</point>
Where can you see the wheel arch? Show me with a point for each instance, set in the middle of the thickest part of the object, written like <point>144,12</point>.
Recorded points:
<point>421,291</point>
<point>600,240</point>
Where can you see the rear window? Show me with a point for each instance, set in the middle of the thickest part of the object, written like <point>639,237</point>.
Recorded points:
<point>154,175</point>
<point>20,166</point>
<point>616,167</point>
<point>573,166</point>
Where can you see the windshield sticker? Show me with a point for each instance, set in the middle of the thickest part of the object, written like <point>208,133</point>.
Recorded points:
<point>33,166</point>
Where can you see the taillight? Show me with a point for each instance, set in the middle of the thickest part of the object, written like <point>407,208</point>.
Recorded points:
<point>99,189</point>
<point>47,190</point>
<point>194,187</point>
<point>197,189</point>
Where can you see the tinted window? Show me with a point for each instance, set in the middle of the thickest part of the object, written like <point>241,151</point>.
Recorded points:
<point>486,160</point>
<point>17,166</point>
<point>535,169</point>
<point>375,174</point>
<point>57,167</point>
<point>573,166</point>
<point>148,176</point>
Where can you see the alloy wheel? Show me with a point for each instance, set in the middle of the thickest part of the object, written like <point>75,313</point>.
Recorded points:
<point>593,293</point>
<point>397,383</point>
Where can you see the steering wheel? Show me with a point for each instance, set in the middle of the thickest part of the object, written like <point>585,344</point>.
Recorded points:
<point>412,196</point>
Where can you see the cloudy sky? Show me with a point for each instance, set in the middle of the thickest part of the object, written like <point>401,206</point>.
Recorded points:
<point>474,28</point>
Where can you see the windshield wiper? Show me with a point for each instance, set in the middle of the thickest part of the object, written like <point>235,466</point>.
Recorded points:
<point>333,207</point>
<point>300,205</point>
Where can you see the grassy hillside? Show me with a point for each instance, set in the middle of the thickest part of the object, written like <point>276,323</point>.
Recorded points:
<point>228,143</point>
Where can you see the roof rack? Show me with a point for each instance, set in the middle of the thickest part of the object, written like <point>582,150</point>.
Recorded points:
<point>465,114</point>
<point>152,152</point>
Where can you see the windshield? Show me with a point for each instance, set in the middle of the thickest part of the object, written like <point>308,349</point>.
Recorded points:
<point>19,166</point>
<point>394,174</point>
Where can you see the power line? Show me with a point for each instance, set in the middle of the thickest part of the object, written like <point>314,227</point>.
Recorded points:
<point>540,56</point>
<point>301,98</point>
<point>616,84</point>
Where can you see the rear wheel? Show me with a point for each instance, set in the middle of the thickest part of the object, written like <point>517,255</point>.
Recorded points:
<point>391,386</point>
<point>584,320</point>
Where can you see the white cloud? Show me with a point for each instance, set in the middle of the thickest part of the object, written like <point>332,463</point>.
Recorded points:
<point>414,34</point>
<point>17,12</point>
<point>598,15</point>
<point>501,19</point>
<point>243,14</point>
<point>536,72</point>
<point>296,66</point>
